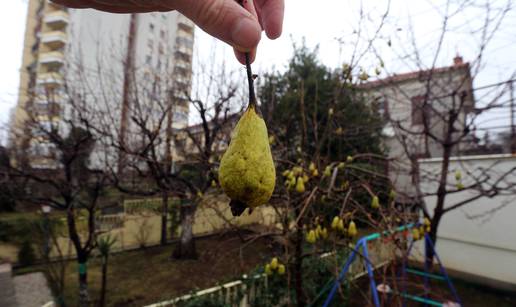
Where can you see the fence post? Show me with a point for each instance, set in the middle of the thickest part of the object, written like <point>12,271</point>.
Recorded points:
<point>244,301</point>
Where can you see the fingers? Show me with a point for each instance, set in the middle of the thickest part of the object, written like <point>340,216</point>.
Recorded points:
<point>76,4</point>
<point>271,16</point>
<point>240,55</point>
<point>224,19</point>
<point>112,6</point>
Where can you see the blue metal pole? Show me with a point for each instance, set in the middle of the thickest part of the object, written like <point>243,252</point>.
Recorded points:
<point>369,268</point>
<point>404,273</point>
<point>425,278</point>
<point>362,242</point>
<point>443,270</point>
<point>342,273</point>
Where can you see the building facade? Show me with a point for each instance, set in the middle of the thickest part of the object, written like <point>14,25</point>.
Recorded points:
<point>415,105</point>
<point>106,62</point>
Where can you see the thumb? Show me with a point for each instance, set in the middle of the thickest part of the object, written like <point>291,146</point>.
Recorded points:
<point>224,19</point>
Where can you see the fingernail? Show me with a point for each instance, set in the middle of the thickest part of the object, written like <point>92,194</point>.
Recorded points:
<point>246,34</point>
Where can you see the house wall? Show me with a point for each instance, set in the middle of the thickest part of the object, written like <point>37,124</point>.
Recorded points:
<point>394,98</point>
<point>478,238</point>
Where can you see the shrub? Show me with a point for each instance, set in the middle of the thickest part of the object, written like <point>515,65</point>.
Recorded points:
<point>26,255</point>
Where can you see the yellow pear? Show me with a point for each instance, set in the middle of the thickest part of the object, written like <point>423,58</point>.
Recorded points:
<point>415,234</point>
<point>300,186</point>
<point>352,229</point>
<point>274,263</point>
<point>247,173</point>
<point>340,225</point>
<point>281,269</point>
<point>375,202</point>
<point>268,270</point>
<point>324,233</point>
<point>458,175</point>
<point>327,171</point>
<point>311,167</point>
<point>335,223</point>
<point>310,237</point>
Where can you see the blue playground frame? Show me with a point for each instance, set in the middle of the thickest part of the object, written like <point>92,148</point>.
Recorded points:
<point>362,245</point>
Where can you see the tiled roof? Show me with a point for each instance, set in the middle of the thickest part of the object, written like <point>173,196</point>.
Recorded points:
<point>420,74</point>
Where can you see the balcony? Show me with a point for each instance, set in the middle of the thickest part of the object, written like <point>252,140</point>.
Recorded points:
<point>184,26</point>
<point>54,59</point>
<point>48,99</point>
<point>46,110</point>
<point>50,79</point>
<point>184,42</point>
<point>183,65</point>
<point>54,39</point>
<point>56,19</point>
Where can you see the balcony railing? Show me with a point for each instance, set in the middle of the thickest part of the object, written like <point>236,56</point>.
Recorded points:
<point>184,41</point>
<point>54,39</point>
<point>56,18</point>
<point>47,110</point>
<point>50,79</point>
<point>183,26</point>
<point>54,58</point>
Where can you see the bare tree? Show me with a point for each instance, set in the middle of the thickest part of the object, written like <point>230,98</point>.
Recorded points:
<point>432,112</point>
<point>57,170</point>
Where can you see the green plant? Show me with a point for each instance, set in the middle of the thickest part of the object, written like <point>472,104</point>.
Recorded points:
<point>104,245</point>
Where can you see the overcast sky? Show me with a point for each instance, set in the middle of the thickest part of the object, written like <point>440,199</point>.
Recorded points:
<point>322,23</point>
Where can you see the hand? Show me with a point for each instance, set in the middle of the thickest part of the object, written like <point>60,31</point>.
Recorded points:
<point>224,19</point>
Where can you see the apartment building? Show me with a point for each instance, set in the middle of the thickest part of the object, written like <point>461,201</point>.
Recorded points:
<point>406,101</point>
<point>103,60</point>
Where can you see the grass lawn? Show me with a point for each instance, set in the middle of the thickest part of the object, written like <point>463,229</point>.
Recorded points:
<point>148,276</point>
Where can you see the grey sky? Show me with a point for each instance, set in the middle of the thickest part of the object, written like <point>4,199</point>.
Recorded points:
<point>320,22</point>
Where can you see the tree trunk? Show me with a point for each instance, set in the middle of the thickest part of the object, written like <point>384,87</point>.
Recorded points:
<point>298,269</point>
<point>185,248</point>
<point>84,298</point>
<point>429,251</point>
<point>104,281</point>
<point>164,218</point>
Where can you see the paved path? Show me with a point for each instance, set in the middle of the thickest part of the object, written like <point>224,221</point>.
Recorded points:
<point>31,290</point>
<point>7,294</point>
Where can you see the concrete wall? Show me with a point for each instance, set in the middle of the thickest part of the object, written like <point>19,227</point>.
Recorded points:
<point>143,228</point>
<point>477,239</point>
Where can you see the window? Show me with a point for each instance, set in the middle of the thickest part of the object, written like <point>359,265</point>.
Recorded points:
<point>381,106</point>
<point>150,44</point>
<point>162,34</point>
<point>151,27</point>
<point>148,59</point>
<point>179,117</point>
<point>161,50</point>
<point>420,110</point>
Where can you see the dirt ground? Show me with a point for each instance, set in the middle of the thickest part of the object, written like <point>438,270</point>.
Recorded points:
<point>149,276</point>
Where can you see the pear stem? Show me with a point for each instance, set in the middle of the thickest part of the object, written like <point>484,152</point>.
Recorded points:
<point>250,80</point>
<point>250,77</point>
